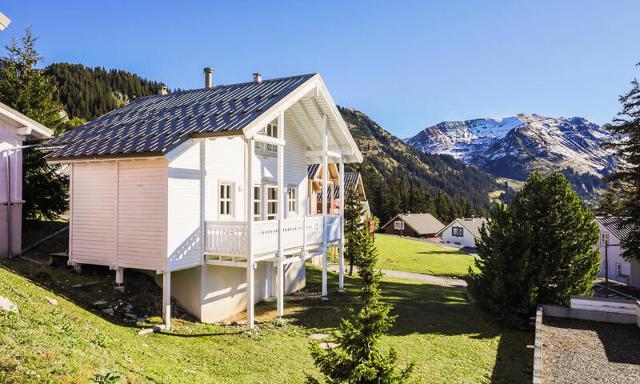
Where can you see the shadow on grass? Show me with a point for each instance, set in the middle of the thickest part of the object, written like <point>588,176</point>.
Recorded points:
<point>427,309</point>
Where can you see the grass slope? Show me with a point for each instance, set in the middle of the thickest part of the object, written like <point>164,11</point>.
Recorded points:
<point>410,255</point>
<point>447,337</point>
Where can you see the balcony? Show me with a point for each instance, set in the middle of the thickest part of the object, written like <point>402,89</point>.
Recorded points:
<point>307,233</point>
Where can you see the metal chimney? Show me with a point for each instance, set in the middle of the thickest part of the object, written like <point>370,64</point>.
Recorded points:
<point>208,77</point>
<point>257,77</point>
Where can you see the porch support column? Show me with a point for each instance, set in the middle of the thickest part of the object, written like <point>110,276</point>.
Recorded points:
<point>342,196</point>
<point>325,184</point>
<point>249,212</point>
<point>166,298</point>
<point>281,208</point>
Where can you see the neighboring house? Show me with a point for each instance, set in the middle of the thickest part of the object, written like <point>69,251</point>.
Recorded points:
<point>464,231</point>
<point>209,188</point>
<point>611,236</point>
<point>352,180</point>
<point>15,129</point>
<point>421,225</point>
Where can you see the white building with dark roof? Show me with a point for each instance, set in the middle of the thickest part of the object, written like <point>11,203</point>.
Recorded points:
<point>612,234</point>
<point>464,231</point>
<point>209,188</point>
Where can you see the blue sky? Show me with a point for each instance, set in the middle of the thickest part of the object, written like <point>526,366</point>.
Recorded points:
<point>406,64</point>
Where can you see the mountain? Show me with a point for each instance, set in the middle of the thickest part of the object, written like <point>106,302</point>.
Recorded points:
<point>90,92</point>
<point>514,146</point>
<point>393,170</point>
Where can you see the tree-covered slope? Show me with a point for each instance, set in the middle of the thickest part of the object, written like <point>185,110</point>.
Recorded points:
<point>90,92</point>
<point>399,178</point>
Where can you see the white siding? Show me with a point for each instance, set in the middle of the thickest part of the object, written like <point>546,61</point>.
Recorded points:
<point>467,240</point>
<point>614,256</point>
<point>93,218</point>
<point>184,234</point>
<point>225,159</point>
<point>9,139</point>
<point>142,209</point>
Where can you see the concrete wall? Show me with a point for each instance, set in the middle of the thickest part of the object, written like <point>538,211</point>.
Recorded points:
<point>610,310</point>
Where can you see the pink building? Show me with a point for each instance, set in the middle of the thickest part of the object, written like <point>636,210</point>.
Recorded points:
<point>15,129</point>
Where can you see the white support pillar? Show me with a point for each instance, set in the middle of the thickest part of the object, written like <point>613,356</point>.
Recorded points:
<point>325,177</point>
<point>250,271</point>
<point>342,196</point>
<point>281,207</point>
<point>166,299</point>
<point>119,275</point>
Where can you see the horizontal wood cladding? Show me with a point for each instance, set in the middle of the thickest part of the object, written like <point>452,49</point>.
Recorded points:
<point>93,216</point>
<point>142,213</point>
<point>119,213</point>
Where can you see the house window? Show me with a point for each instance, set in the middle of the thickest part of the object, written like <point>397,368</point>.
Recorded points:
<point>272,203</point>
<point>457,231</point>
<point>618,269</point>
<point>604,238</point>
<point>398,225</point>
<point>292,200</point>
<point>257,202</point>
<point>226,199</point>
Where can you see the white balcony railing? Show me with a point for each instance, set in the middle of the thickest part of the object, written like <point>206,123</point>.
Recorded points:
<point>231,238</point>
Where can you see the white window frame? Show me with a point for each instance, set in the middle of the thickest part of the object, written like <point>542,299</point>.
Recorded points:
<point>230,200</point>
<point>619,270</point>
<point>270,130</point>
<point>460,233</point>
<point>269,201</point>
<point>257,202</point>
<point>604,238</point>
<point>398,225</point>
<point>292,202</point>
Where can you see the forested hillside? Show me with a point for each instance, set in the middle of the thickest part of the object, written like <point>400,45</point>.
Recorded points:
<point>90,92</point>
<point>399,178</point>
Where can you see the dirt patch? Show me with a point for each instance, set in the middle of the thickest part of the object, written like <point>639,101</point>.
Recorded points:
<point>575,351</point>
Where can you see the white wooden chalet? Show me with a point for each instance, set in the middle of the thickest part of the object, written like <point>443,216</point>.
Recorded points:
<point>209,188</point>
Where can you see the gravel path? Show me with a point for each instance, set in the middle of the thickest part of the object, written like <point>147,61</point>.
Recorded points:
<point>416,276</point>
<point>586,352</point>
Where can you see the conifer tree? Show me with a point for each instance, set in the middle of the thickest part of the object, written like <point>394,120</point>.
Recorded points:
<point>623,195</point>
<point>24,88</point>
<point>353,224</point>
<point>539,249</point>
<point>357,358</point>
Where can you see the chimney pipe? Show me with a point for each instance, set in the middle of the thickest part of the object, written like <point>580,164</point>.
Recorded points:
<point>163,91</point>
<point>208,77</point>
<point>257,77</point>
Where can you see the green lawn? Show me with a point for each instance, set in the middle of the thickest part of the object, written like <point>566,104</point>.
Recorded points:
<point>410,255</point>
<point>447,337</point>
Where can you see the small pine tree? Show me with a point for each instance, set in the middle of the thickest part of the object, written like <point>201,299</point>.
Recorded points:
<point>539,249</point>
<point>623,196</point>
<point>353,223</point>
<point>357,358</point>
<point>25,89</point>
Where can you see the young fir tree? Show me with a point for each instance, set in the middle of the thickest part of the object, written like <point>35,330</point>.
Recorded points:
<point>623,195</point>
<point>357,358</point>
<point>353,223</point>
<point>539,249</point>
<point>25,89</point>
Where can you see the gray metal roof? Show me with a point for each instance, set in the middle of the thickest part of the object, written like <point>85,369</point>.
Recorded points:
<point>613,225</point>
<point>153,125</point>
<point>422,223</point>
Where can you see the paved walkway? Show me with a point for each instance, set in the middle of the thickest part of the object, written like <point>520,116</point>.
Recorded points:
<point>414,276</point>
